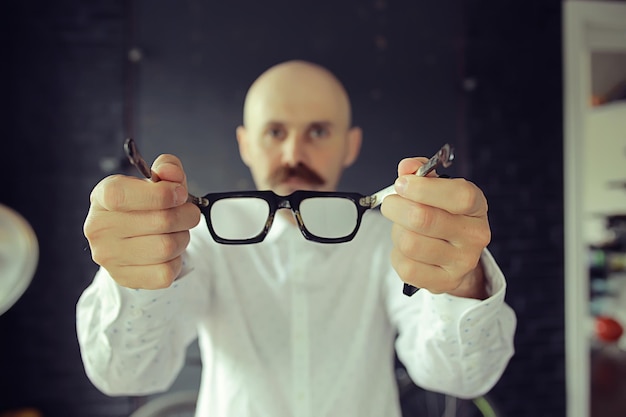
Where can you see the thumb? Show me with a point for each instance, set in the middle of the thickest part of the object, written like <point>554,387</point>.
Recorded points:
<point>169,168</point>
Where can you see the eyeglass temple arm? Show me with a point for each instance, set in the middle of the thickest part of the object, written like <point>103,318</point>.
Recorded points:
<point>443,157</point>
<point>135,158</point>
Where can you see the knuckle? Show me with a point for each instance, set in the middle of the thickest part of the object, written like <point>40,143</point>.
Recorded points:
<point>110,192</point>
<point>193,215</point>
<point>418,217</point>
<point>173,219</point>
<point>484,237</point>
<point>102,255</point>
<point>467,195</point>
<point>162,194</point>
<point>404,269</point>
<point>185,238</point>
<point>406,244</point>
<point>95,225</point>
<point>163,220</point>
<point>90,229</point>
<point>481,237</point>
<point>95,232</point>
<point>166,247</point>
<point>466,263</point>
<point>165,274</point>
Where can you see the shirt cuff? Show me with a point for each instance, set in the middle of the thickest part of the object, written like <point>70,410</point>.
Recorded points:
<point>139,308</point>
<point>452,307</point>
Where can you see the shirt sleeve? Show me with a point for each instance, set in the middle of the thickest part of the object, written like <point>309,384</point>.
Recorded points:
<point>134,342</point>
<point>458,346</point>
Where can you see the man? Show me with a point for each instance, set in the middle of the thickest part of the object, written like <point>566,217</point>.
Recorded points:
<point>290,327</point>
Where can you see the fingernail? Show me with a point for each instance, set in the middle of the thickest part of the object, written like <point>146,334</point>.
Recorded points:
<point>400,185</point>
<point>180,195</point>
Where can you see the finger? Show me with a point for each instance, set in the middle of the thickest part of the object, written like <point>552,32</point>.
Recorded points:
<point>169,168</point>
<point>150,277</point>
<point>122,225</point>
<point>460,231</point>
<point>419,247</point>
<point>434,222</point>
<point>422,275</point>
<point>455,195</point>
<point>154,249</point>
<point>140,250</point>
<point>124,193</point>
<point>456,259</point>
<point>153,222</point>
<point>419,218</point>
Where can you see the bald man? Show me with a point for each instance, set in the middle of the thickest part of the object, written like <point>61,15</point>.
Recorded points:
<point>291,327</point>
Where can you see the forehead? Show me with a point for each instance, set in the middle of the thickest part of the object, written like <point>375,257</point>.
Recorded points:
<point>297,111</point>
<point>298,101</point>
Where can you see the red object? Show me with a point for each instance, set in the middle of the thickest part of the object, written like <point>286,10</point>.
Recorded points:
<point>608,329</point>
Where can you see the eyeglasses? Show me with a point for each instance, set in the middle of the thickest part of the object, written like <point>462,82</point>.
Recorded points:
<point>245,217</point>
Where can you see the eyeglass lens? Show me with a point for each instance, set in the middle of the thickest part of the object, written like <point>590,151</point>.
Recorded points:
<point>240,218</point>
<point>329,217</point>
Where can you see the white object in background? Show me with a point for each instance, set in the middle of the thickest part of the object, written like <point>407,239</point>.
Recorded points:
<point>604,162</point>
<point>19,255</point>
<point>173,404</point>
<point>589,28</point>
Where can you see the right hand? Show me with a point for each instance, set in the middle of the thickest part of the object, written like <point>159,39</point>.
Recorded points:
<point>138,229</point>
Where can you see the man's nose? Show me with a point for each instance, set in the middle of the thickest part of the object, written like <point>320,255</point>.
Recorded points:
<point>293,150</point>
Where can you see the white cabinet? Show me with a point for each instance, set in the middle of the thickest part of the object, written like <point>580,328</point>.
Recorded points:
<point>594,35</point>
<point>603,167</point>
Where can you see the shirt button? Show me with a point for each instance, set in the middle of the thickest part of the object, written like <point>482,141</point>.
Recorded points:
<point>137,313</point>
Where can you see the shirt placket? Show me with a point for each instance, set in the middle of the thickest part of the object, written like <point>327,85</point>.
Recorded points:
<point>300,335</point>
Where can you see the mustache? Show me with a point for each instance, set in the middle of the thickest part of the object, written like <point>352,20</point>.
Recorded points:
<point>300,171</point>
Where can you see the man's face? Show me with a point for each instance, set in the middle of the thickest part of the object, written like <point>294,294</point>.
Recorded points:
<point>297,138</point>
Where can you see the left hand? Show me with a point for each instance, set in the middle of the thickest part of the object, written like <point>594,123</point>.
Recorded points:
<point>440,230</point>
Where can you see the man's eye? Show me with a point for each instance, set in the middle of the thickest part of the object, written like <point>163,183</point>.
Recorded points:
<point>319,132</point>
<point>275,133</point>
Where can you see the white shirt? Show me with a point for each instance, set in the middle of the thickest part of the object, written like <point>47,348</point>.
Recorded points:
<point>294,328</point>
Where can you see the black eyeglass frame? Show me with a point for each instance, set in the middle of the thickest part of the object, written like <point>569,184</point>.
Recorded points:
<point>292,202</point>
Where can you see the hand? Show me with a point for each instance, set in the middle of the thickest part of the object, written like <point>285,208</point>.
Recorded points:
<point>138,229</point>
<point>440,230</point>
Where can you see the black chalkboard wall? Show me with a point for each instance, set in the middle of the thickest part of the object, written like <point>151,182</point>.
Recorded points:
<point>400,63</point>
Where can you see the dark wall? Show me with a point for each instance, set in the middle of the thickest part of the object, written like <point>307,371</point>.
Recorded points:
<point>476,73</point>
<point>63,113</point>
<point>400,63</point>
<point>516,153</point>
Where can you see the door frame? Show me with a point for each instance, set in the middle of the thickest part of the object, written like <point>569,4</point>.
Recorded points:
<point>588,26</point>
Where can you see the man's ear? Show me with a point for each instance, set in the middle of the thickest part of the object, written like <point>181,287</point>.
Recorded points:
<point>355,136</point>
<point>242,141</point>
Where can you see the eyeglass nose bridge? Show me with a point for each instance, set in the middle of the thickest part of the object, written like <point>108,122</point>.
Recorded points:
<point>284,203</point>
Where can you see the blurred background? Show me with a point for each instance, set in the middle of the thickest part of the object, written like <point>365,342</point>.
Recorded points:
<point>80,76</point>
